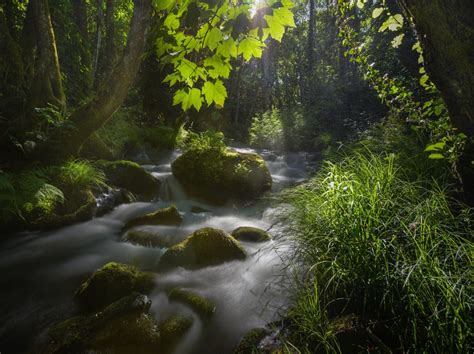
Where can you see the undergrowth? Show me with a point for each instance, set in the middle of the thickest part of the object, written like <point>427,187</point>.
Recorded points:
<point>383,240</point>
<point>36,192</point>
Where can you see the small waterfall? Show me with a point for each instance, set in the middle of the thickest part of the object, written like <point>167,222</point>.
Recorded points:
<point>171,189</point>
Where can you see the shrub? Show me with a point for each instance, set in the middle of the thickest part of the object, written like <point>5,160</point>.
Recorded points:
<point>208,140</point>
<point>387,247</point>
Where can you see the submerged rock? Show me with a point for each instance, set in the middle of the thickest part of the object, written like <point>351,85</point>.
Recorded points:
<point>166,216</point>
<point>122,327</point>
<point>202,248</point>
<point>251,234</point>
<point>149,239</point>
<point>198,303</point>
<point>251,340</point>
<point>219,175</point>
<point>110,283</point>
<point>131,176</point>
<point>172,330</point>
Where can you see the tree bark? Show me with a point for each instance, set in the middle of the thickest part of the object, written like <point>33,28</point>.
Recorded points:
<point>98,39</point>
<point>46,87</point>
<point>90,117</point>
<point>446,32</point>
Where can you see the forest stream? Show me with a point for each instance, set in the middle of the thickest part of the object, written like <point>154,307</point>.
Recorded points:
<point>41,270</point>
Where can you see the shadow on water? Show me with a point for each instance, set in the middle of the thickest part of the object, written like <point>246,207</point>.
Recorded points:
<point>40,271</point>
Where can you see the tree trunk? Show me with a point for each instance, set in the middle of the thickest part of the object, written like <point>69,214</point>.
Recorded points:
<point>90,117</point>
<point>46,87</point>
<point>98,39</point>
<point>446,34</point>
<point>80,20</point>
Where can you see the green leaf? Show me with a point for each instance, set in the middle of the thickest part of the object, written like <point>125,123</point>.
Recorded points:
<point>250,47</point>
<point>220,68</point>
<point>213,38</point>
<point>163,4</point>
<point>361,3</point>
<point>188,98</point>
<point>436,156</point>
<point>228,48</point>
<point>275,28</point>
<point>393,23</point>
<point>284,16</point>
<point>424,79</point>
<point>216,93</point>
<point>436,147</point>
<point>377,12</point>
<point>398,40</point>
<point>172,22</point>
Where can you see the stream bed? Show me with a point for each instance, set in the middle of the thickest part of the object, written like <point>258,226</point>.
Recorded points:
<point>40,271</point>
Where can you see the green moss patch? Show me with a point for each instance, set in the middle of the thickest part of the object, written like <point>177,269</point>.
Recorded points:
<point>202,248</point>
<point>148,239</point>
<point>110,283</point>
<point>251,234</point>
<point>166,216</point>
<point>219,175</point>
<point>122,327</point>
<point>131,176</point>
<point>250,341</point>
<point>173,329</point>
<point>198,303</point>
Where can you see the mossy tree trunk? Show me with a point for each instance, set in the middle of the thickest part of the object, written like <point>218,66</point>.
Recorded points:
<point>46,87</point>
<point>90,117</point>
<point>446,34</point>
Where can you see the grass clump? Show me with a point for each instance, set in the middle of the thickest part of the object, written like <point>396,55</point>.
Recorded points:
<point>389,246</point>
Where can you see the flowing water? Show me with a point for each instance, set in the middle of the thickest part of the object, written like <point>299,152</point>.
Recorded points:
<point>39,271</point>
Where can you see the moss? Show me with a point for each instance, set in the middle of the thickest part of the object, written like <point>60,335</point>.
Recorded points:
<point>110,283</point>
<point>251,340</point>
<point>198,303</point>
<point>148,239</point>
<point>122,327</point>
<point>173,329</point>
<point>131,176</point>
<point>252,234</point>
<point>219,175</point>
<point>166,216</point>
<point>204,247</point>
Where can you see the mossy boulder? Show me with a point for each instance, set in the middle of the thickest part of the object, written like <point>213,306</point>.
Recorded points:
<point>202,248</point>
<point>78,206</point>
<point>172,330</point>
<point>250,341</point>
<point>149,239</point>
<point>219,175</point>
<point>166,216</point>
<point>251,234</point>
<point>131,176</point>
<point>198,303</point>
<point>110,283</point>
<point>122,327</point>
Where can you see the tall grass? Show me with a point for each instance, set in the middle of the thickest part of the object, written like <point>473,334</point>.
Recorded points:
<point>387,247</point>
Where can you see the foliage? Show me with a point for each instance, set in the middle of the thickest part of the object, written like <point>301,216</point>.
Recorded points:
<point>204,141</point>
<point>415,99</point>
<point>32,193</point>
<point>388,246</point>
<point>80,174</point>
<point>200,40</point>
<point>267,130</point>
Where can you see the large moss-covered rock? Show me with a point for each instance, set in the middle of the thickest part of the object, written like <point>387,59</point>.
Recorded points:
<point>202,248</point>
<point>166,216</point>
<point>110,283</point>
<point>251,234</point>
<point>149,239</point>
<point>172,330</point>
<point>122,327</point>
<point>131,176</point>
<point>78,206</point>
<point>198,303</point>
<point>219,175</point>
